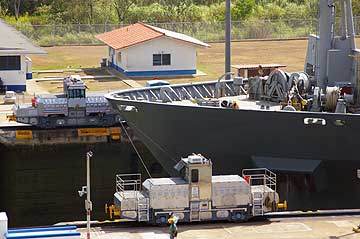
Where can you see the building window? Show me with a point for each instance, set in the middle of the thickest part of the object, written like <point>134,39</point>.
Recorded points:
<point>119,57</point>
<point>156,59</point>
<point>166,59</point>
<point>10,63</point>
<point>194,175</point>
<point>161,59</point>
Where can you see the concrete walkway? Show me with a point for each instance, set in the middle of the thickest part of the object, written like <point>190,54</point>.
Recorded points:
<point>82,77</point>
<point>57,71</point>
<point>322,227</point>
<point>32,88</point>
<point>125,79</point>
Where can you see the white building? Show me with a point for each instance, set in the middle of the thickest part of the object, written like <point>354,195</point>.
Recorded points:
<point>15,65</point>
<point>144,50</point>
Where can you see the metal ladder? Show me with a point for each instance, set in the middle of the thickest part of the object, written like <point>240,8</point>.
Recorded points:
<point>143,209</point>
<point>265,181</point>
<point>258,204</point>
<point>194,211</point>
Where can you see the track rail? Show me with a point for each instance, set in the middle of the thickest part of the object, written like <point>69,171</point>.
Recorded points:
<point>123,223</point>
<point>317,213</point>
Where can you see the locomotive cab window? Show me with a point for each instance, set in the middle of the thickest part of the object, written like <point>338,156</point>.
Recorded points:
<point>82,93</point>
<point>194,175</point>
<point>76,93</point>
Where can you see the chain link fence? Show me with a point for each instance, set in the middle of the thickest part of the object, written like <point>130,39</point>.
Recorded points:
<point>84,34</point>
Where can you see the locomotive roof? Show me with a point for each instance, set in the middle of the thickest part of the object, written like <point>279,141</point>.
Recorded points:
<point>54,96</point>
<point>227,178</point>
<point>74,81</point>
<point>163,181</point>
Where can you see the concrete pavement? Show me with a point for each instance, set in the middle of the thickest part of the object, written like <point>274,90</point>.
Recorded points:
<point>322,227</point>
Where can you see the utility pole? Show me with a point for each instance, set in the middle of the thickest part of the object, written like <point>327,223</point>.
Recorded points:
<point>228,40</point>
<point>86,190</point>
<point>88,204</point>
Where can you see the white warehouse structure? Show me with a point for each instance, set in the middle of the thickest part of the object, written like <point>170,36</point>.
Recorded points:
<point>15,65</point>
<point>141,50</point>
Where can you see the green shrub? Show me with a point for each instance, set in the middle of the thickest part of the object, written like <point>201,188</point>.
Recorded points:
<point>67,39</point>
<point>153,13</point>
<point>242,9</point>
<point>215,12</point>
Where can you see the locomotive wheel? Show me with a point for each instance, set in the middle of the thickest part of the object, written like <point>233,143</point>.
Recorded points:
<point>161,220</point>
<point>239,217</point>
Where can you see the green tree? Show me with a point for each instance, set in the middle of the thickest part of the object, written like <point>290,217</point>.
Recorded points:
<point>122,8</point>
<point>243,9</point>
<point>176,9</point>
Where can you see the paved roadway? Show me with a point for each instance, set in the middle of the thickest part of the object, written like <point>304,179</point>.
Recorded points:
<point>4,110</point>
<point>330,227</point>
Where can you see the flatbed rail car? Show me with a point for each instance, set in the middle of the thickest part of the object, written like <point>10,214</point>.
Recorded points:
<point>195,196</point>
<point>72,108</point>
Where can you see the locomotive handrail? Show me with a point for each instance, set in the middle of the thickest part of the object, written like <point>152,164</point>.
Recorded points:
<point>260,176</point>
<point>129,183</point>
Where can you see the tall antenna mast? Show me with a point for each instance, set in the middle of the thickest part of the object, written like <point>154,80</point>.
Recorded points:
<point>228,40</point>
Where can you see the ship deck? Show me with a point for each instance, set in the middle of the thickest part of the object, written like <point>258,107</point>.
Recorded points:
<point>242,101</point>
<point>202,94</point>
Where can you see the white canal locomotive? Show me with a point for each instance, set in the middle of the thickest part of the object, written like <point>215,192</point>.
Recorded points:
<point>196,195</point>
<point>72,108</point>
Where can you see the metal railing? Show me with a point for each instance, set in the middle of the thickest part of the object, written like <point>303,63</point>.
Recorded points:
<point>70,34</point>
<point>260,177</point>
<point>131,183</point>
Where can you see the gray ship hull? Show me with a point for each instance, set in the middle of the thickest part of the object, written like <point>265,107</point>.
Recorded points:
<point>313,161</point>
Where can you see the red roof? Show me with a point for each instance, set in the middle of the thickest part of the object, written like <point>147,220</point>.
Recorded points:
<point>139,33</point>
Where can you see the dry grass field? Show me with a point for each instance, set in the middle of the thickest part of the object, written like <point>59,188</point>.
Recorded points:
<point>210,61</point>
<point>105,85</point>
<point>74,57</point>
